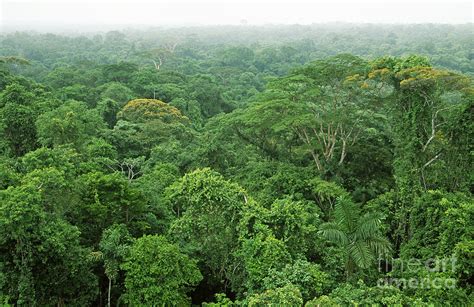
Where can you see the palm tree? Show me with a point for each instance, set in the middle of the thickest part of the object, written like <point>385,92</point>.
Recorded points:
<point>358,235</point>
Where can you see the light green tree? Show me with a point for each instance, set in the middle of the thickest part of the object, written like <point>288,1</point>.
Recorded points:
<point>157,273</point>
<point>288,295</point>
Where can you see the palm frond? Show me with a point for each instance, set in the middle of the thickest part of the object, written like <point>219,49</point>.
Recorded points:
<point>346,212</point>
<point>361,254</point>
<point>379,245</point>
<point>368,226</point>
<point>333,233</point>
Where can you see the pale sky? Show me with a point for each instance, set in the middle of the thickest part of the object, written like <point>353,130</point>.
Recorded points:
<point>36,14</point>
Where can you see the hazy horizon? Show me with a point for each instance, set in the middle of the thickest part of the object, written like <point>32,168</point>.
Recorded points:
<point>89,15</point>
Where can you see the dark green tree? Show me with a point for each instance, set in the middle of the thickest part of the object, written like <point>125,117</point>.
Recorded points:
<point>358,234</point>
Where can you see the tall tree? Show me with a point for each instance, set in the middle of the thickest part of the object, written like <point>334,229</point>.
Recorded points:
<point>423,101</point>
<point>115,246</point>
<point>208,209</point>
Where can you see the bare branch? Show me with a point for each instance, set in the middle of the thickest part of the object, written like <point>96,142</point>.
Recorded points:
<point>433,129</point>
<point>157,65</point>
<point>431,161</point>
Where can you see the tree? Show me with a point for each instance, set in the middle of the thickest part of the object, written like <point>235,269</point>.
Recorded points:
<point>146,123</point>
<point>108,109</point>
<point>326,194</point>
<point>72,123</point>
<point>158,56</point>
<point>19,129</point>
<point>98,155</point>
<point>114,245</point>
<point>438,222</point>
<point>62,158</point>
<point>120,72</point>
<point>333,120</point>
<point>143,110</point>
<point>262,256</point>
<point>208,209</point>
<point>17,117</point>
<point>157,273</point>
<point>8,174</point>
<point>190,108</point>
<point>358,235</point>
<point>117,92</point>
<point>423,101</point>
<point>236,56</point>
<point>153,184</point>
<point>315,112</point>
<point>348,294</point>
<point>292,222</point>
<point>78,92</point>
<point>295,223</point>
<point>40,251</point>
<point>308,277</point>
<point>288,295</point>
<point>205,90</point>
<point>14,60</point>
<point>107,199</point>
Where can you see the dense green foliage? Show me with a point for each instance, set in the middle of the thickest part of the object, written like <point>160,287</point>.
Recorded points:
<point>238,166</point>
